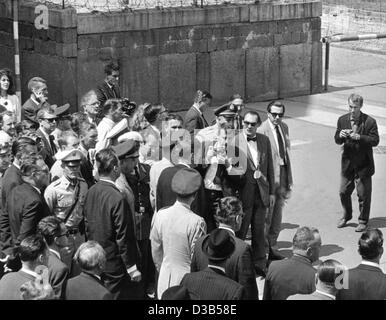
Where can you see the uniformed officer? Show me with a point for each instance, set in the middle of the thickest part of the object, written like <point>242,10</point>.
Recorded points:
<point>65,198</point>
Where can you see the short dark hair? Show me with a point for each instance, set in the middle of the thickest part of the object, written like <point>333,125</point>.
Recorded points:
<point>151,111</point>
<point>227,210</point>
<point>30,166</point>
<point>112,104</point>
<point>174,116</point>
<point>329,270</point>
<point>77,119</point>
<point>32,247</point>
<point>106,160</point>
<point>235,96</point>
<point>6,72</point>
<point>110,67</point>
<point>303,237</point>
<point>254,113</point>
<point>276,104</point>
<point>370,244</point>
<point>19,145</point>
<point>49,228</point>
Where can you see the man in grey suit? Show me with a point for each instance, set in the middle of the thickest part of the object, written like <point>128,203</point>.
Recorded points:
<point>239,267</point>
<point>277,132</point>
<point>327,282</point>
<point>212,283</point>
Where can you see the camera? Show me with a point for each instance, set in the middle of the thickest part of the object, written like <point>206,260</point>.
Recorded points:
<point>128,107</point>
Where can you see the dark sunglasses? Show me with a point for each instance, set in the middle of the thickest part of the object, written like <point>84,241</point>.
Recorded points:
<point>176,127</point>
<point>247,123</point>
<point>51,120</point>
<point>281,115</point>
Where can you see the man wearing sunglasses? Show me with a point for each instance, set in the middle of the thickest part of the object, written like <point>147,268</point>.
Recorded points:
<point>358,133</point>
<point>277,132</point>
<point>47,124</point>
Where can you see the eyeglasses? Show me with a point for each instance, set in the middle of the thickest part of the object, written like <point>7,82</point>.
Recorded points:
<point>274,114</point>
<point>176,127</point>
<point>247,123</point>
<point>50,120</point>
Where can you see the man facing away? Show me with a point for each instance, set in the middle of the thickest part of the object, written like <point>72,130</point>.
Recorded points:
<point>358,133</point>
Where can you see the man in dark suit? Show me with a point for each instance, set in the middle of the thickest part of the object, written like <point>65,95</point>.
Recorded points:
<point>254,177</point>
<point>55,233</point>
<point>47,121</point>
<point>33,253</point>
<point>327,279</point>
<point>366,281</point>
<point>239,267</point>
<point>38,99</point>
<point>212,282</point>
<point>88,285</point>
<point>295,275</point>
<point>26,205</point>
<point>358,133</point>
<point>88,137</point>
<point>109,222</point>
<point>109,88</point>
<point>194,118</point>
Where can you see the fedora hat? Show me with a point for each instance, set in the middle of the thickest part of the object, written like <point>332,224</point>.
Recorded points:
<point>218,245</point>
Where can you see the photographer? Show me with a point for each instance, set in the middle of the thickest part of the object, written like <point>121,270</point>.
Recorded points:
<point>38,99</point>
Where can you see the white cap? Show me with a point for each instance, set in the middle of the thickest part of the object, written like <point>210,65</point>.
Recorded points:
<point>132,135</point>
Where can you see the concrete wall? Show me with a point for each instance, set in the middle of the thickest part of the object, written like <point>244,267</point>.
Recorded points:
<point>261,51</point>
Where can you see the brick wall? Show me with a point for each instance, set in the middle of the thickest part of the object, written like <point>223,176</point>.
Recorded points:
<point>262,51</point>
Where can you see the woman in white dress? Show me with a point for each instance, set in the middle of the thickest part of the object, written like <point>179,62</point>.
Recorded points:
<point>8,98</point>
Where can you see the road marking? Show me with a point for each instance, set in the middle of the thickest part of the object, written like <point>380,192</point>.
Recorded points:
<point>295,143</point>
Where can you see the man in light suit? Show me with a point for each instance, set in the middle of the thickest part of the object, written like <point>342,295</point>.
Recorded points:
<point>194,118</point>
<point>239,267</point>
<point>358,133</point>
<point>212,282</point>
<point>327,282</point>
<point>367,281</point>
<point>175,231</point>
<point>56,235</point>
<point>254,177</point>
<point>277,132</point>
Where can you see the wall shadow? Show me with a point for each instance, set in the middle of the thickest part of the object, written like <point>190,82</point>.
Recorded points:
<point>287,225</point>
<point>378,222</point>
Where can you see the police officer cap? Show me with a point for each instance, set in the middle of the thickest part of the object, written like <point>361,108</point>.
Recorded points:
<point>126,149</point>
<point>69,155</point>
<point>186,181</point>
<point>225,111</point>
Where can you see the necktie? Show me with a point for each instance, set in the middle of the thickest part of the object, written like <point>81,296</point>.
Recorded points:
<point>252,139</point>
<point>281,145</point>
<point>52,144</point>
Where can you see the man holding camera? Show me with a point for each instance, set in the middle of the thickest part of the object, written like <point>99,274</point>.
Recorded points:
<point>358,133</point>
<point>38,99</point>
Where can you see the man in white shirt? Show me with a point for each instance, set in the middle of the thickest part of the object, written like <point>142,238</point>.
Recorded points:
<point>8,123</point>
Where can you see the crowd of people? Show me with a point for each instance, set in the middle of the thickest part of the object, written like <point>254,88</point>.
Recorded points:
<point>127,201</point>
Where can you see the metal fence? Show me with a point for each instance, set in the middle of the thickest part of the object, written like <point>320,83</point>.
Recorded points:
<point>121,5</point>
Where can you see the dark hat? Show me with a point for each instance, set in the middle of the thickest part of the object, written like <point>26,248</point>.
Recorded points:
<point>69,155</point>
<point>218,245</point>
<point>225,110</point>
<point>126,149</point>
<point>62,110</point>
<point>186,181</point>
<point>176,293</point>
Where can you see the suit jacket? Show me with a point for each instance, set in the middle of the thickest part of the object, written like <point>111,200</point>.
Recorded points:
<point>10,285</point>
<point>313,296</point>
<point>141,191</point>
<point>57,274</point>
<point>212,284</point>
<point>10,180</point>
<point>357,156</point>
<point>242,173</point>
<point>194,120</point>
<point>265,129</point>
<point>86,287</point>
<point>166,197</point>
<point>288,277</point>
<point>30,109</point>
<point>104,92</point>
<point>109,222</point>
<point>364,283</point>
<point>239,266</point>
<point>48,152</point>
<point>25,207</point>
